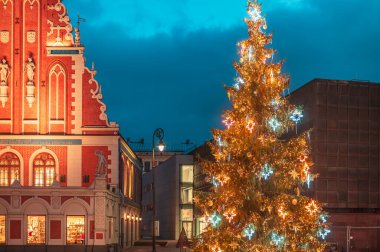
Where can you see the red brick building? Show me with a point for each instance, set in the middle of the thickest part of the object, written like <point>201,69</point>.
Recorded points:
<point>67,177</point>
<point>344,119</point>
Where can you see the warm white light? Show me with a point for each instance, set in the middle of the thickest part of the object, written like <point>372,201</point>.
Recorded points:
<point>161,146</point>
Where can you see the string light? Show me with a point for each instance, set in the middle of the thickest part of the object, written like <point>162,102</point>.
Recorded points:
<point>266,171</point>
<point>249,231</point>
<point>323,218</point>
<point>250,52</point>
<point>309,178</point>
<point>215,219</point>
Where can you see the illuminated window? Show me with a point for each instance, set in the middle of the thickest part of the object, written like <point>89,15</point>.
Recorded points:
<point>187,173</point>
<point>2,229</point>
<point>186,195</point>
<point>44,170</point>
<point>9,169</point>
<point>75,230</point>
<point>36,230</point>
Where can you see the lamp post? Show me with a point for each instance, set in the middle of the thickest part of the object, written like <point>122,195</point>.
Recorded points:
<point>158,133</point>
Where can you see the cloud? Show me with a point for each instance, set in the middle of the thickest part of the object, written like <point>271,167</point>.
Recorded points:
<point>172,74</point>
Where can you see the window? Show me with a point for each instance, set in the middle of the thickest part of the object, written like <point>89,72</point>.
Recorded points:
<point>188,226</point>
<point>186,195</point>
<point>44,170</point>
<point>187,173</point>
<point>75,230</point>
<point>2,229</point>
<point>187,214</point>
<point>9,169</point>
<point>36,230</point>
<point>147,166</point>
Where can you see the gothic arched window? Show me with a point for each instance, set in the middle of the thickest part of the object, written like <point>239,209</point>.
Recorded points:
<point>57,98</point>
<point>9,169</point>
<point>43,170</point>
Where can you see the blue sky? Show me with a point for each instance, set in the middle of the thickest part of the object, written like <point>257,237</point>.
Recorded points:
<point>164,63</point>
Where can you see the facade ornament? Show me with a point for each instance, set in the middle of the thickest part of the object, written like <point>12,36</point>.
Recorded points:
<point>4,74</point>
<point>30,87</point>
<point>31,37</point>
<point>97,94</point>
<point>4,36</point>
<point>102,164</point>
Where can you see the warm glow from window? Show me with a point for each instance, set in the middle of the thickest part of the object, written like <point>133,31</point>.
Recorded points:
<point>186,195</point>
<point>2,229</point>
<point>9,169</point>
<point>36,230</point>
<point>75,230</point>
<point>44,170</point>
<point>187,173</point>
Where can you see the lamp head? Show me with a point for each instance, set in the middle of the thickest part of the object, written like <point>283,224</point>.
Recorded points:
<point>161,145</point>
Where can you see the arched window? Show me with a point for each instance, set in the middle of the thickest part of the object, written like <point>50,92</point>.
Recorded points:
<point>9,169</point>
<point>57,98</point>
<point>43,170</point>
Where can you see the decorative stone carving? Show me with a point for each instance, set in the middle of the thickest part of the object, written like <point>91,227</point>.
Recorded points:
<point>16,201</point>
<point>31,37</point>
<point>56,202</point>
<point>4,36</point>
<point>97,94</point>
<point>4,73</point>
<point>30,68</point>
<point>101,170</point>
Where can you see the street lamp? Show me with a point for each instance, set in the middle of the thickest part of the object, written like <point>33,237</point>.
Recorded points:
<point>158,133</point>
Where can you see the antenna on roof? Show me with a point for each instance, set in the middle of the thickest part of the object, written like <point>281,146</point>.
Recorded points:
<point>80,20</point>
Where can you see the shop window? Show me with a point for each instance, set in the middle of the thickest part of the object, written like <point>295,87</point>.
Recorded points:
<point>9,169</point>
<point>186,195</point>
<point>2,229</point>
<point>44,170</point>
<point>75,230</point>
<point>187,173</point>
<point>36,229</point>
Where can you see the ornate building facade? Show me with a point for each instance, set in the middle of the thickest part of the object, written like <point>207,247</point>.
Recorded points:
<point>67,177</point>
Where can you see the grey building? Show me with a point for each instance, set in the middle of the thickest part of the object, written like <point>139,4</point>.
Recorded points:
<point>174,198</point>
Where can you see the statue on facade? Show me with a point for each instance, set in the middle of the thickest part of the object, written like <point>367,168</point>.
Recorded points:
<point>30,67</point>
<point>4,71</point>
<point>102,163</point>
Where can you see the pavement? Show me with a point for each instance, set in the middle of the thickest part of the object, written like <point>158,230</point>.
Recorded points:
<point>170,247</point>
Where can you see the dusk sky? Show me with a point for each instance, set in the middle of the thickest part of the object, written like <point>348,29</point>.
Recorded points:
<point>163,63</point>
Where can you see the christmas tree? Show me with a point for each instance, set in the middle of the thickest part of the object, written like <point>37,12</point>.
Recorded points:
<point>258,173</point>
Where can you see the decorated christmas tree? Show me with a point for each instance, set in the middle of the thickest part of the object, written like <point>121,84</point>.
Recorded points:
<point>260,168</point>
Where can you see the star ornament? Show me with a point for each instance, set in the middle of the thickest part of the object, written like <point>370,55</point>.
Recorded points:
<point>323,233</point>
<point>250,125</point>
<point>215,219</point>
<point>234,245</point>
<point>228,122</point>
<point>296,116</point>
<point>282,213</point>
<point>249,231</point>
<point>294,174</point>
<point>254,13</point>
<point>274,123</point>
<point>230,215</point>
<point>312,207</point>
<point>216,249</point>
<point>266,171</point>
